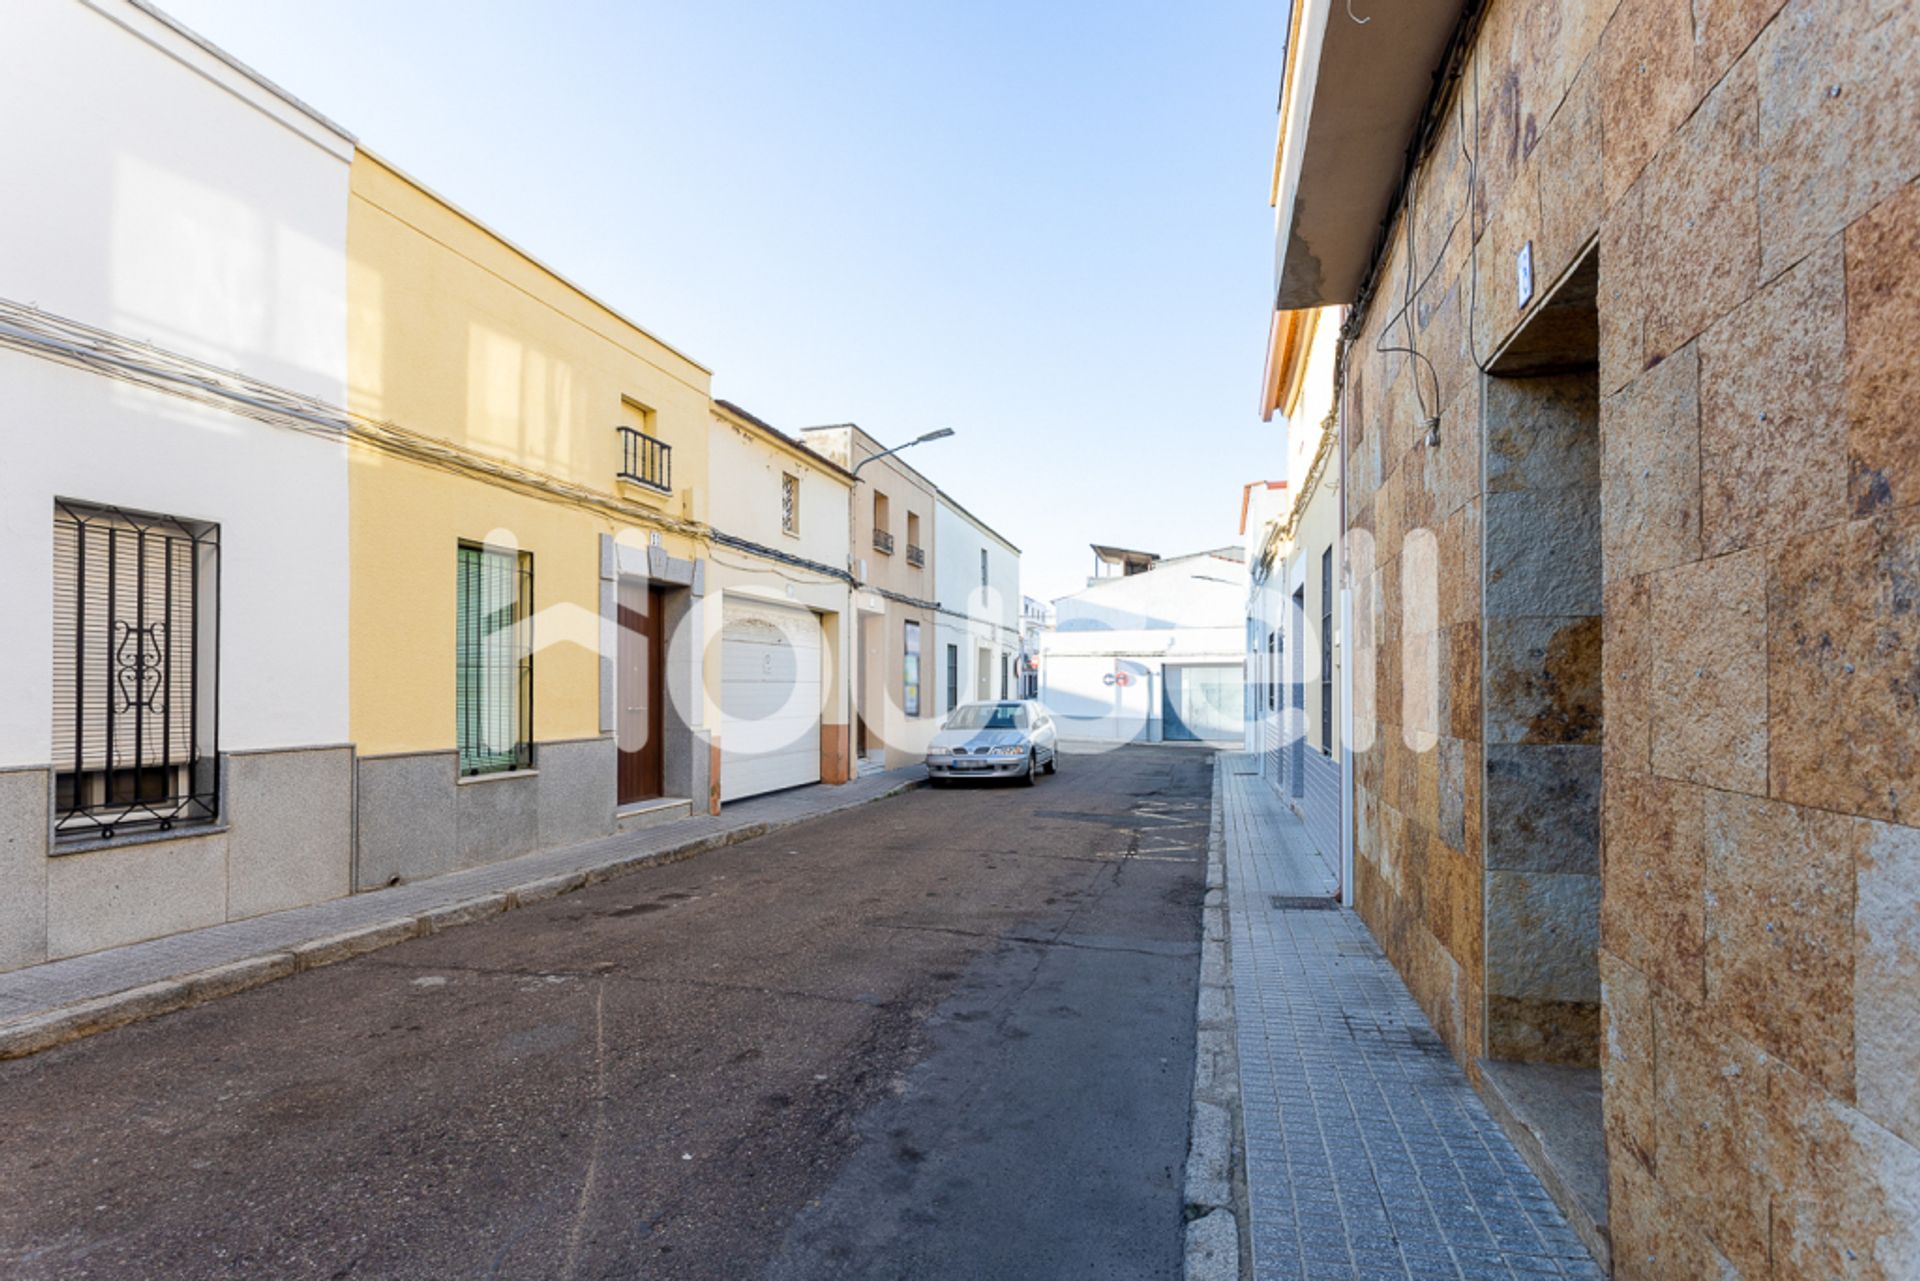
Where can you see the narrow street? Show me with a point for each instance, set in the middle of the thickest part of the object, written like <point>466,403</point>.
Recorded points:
<point>948,1035</point>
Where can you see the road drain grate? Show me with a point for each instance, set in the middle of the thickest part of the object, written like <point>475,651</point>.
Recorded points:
<point>1303,903</point>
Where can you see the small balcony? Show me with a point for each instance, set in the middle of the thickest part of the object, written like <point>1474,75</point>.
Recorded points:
<point>883,541</point>
<point>645,461</point>
<point>916,556</point>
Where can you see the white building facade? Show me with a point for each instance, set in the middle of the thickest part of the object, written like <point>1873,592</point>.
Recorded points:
<point>1295,669</point>
<point>976,652</point>
<point>174,742</point>
<point>779,596</point>
<point>1153,655</point>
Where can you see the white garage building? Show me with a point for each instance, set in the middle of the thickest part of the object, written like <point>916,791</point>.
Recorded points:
<point>1150,651</point>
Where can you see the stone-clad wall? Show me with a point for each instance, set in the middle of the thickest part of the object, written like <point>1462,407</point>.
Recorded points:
<point>1747,170</point>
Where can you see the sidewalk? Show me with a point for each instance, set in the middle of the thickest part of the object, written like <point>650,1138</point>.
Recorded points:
<point>46,1005</point>
<point>1368,1154</point>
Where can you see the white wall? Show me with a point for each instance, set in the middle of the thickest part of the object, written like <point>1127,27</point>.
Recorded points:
<point>1185,610</point>
<point>157,192</point>
<point>991,613</point>
<point>957,543</point>
<point>746,500</point>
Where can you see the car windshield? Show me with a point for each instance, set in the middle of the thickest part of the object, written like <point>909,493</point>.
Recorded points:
<point>988,716</point>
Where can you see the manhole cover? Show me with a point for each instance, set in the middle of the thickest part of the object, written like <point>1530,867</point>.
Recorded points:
<point>1303,903</point>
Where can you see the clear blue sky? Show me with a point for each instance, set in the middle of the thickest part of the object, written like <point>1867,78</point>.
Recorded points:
<point>1044,225</point>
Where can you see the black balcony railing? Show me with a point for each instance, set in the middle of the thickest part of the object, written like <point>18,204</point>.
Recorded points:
<point>883,541</point>
<point>916,556</point>
<point>646,461</point>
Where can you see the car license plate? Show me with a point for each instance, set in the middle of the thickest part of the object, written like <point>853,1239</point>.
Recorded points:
<point>969,765</point>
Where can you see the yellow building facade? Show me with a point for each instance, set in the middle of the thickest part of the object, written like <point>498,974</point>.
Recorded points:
<point>527,489</point>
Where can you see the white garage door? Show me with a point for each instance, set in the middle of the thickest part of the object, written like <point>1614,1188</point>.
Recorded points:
<point>769,698</point>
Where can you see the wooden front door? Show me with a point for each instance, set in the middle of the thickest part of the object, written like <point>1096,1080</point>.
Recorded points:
<point>642,705</point>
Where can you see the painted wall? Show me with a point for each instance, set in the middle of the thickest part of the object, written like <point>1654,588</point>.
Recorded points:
<point>747,505</point>
<point>207,216</point>
<point>1188,609</point>
<point>990,614</point>
<point>880,628</point>
<point>458,337</point>
<point>164,195</point>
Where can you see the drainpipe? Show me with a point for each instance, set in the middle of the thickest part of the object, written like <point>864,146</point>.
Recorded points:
<point>1346,659</point>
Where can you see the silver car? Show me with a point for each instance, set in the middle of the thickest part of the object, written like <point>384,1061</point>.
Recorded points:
<point>1006,738</point>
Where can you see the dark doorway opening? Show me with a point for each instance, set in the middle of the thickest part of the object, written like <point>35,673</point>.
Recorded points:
<point>641,724</point>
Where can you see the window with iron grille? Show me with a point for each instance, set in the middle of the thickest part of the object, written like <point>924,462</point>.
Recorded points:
<point>493,654</point>
<point>135,645</point>
<point>953,677</point>
<point>789,503</point>
<point>983,567</point>
<point>1326,651</point>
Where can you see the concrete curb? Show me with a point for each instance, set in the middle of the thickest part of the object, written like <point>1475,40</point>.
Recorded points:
<point>1218,1246</point>
<point>45,1029</point>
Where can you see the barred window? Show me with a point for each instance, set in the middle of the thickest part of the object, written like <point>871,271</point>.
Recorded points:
<point>493,623</point>
<point>135,638</point>
<point>789,503</point>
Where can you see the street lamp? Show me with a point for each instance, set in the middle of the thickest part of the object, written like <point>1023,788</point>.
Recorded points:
<point>853,490</point>
<point>938,434</point>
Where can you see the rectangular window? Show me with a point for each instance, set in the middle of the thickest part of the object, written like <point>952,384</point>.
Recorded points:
<point>953,677</point>
<point>1003,675</point>
<point>983,567</point>
<point>135,638</point>
<point>1273,671</point>
<point>790,503</point>
<point>882,524</point>
<point>910,671</point>
<point>493,651</point>
<point>1326,651</point>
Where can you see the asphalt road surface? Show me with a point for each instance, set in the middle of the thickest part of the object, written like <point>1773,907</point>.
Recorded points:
<point>948,1035</point>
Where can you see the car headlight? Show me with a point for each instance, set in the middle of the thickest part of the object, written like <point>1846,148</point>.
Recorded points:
<point>1010,751</point>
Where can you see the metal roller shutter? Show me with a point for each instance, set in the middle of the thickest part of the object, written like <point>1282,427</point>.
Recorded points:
<point>769,698</point>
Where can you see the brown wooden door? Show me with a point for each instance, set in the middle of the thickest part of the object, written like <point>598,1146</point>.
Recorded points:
<point>642,707</point>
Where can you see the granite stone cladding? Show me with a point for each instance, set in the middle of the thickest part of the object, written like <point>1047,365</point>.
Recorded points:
<point>1664,793</point>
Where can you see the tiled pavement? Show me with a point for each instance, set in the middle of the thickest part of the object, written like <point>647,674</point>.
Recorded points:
<point>28,994</point>
<point>1369,1156</point>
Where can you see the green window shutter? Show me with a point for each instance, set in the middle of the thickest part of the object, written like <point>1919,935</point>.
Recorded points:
<point>493,660</point>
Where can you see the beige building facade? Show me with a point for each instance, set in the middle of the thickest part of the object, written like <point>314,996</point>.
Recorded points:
<point>894,602</point>
<point>1625,408</point>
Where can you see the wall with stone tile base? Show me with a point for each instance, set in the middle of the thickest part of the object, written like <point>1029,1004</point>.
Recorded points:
<point>418,819</point>
<point>285,840</point>
<point>1747,172</point>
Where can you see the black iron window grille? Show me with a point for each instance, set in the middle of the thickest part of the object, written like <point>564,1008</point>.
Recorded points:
<point>916,556</point>
<point>645,460</point>
<point>135,671</point>
<point>789,502</point>
<point>883,541</point>
<point>493,623</point>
